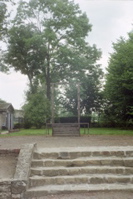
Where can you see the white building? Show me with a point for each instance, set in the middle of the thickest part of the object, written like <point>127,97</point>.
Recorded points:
<point>6,116</point>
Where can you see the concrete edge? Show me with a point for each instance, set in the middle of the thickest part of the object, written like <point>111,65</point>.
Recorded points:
<point>83,149</point>
<point>20,181</point>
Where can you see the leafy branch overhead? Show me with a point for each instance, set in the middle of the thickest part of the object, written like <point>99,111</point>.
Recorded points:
<point>48,41</point>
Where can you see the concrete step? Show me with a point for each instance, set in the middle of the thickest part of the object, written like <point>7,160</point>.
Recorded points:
<point>80,179</point>
<point>75,188</point>
<point>81,169</point>
<point>84,161</point>
<point>62,171</point>
<point>71,153</point>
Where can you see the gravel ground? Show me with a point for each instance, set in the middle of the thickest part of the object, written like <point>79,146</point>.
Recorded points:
<point>7,167</point>
<point>46,141</point>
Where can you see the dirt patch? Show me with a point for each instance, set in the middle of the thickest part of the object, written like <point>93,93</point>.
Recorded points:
<point>46,141</point>
<point>7,167</point>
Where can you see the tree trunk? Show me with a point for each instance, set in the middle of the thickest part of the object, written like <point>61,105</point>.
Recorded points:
<point>31,84</point>
<point>48,78</point>
<point>48,84</point>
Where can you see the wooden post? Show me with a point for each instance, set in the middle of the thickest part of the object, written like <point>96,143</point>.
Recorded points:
<point>78,92</point>
<point>68,129</point>
<point>53,108</point>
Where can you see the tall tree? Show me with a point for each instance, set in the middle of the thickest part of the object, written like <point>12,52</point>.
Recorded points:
<point>48,40</point>
<point>119,82</point>
<point>3,15</point>
<point>4,22</point>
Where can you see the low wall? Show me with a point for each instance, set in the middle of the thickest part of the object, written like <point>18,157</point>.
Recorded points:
<point>15,188</point>
<point>5,189</point>
<point>9,152</point>
<point>5,184</point>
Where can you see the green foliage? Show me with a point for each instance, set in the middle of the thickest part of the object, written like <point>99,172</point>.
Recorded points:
<point>25,51</point>
<point>2,101</point>
<point>4,17</point>
<point>119,83</point>
<point>90,94</point>
<point>4,26</point>
<point>3,12</point>
<point>36,110</point>
<point>47,41</point>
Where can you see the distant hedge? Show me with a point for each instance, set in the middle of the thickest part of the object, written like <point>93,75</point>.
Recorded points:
<point>83,119</point>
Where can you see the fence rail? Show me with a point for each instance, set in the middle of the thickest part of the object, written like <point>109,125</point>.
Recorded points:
<point>67,129</point>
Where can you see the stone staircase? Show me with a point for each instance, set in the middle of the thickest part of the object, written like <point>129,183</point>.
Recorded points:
<point>76,170</point>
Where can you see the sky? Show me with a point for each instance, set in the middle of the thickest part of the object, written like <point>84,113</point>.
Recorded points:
<point>110,20</point>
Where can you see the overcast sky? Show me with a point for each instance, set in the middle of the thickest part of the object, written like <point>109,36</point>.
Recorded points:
<point>110,19</point>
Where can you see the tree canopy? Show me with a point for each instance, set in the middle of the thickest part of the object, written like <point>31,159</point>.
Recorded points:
<point>4,25</point>
<point>47,41</point>
<point>2,101</point>
<point>3,15</point>
<point>119,81</point>
<point>90,93</point>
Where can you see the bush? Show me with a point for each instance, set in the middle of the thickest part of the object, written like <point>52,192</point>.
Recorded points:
<point>27,125</point>
<point>36,110</point>
<point>4,128</point>
<point>18,125</point>
<point>83,119</point>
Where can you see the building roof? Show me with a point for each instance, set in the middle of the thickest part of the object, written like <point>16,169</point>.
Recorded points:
<point>5,106</point>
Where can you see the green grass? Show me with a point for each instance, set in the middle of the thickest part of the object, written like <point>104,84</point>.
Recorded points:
<point>109,131</point>
<point>92,131</point>
<point>29,132</point>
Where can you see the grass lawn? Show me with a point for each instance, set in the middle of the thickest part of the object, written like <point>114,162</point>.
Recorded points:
<point>110,131</point>
<point>29,132</point>
<point>92,131</point>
